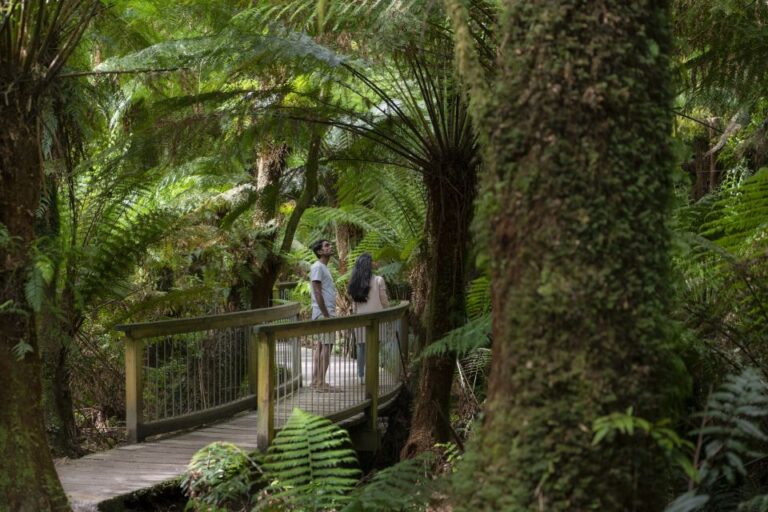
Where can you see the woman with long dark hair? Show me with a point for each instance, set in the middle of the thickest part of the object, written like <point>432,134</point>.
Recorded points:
<point>369,294</point>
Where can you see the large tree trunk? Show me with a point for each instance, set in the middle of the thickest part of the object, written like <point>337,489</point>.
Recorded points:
<point>451,192</point>
<point>577,137</point>
<point>29,481</point>
<point>60,422</point>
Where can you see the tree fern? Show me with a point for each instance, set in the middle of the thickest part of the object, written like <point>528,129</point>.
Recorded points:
<point>721,257</point>
<point>312,464</point>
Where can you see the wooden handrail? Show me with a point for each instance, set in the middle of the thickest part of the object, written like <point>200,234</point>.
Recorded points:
<point>199,323</point>
<point>268,335</point>
<point>262,381</point>
<point>306,327</point>
<point>135,334</point>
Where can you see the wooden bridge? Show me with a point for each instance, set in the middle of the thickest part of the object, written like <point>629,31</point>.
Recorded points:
<point>235,377</point>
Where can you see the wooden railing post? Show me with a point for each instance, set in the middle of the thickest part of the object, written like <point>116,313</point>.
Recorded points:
<point>265,419</point>
<point>403,339</point>
<point>372,375</point>
<point>297,366</point>
<point>134,361</point>
<point>253,364</point>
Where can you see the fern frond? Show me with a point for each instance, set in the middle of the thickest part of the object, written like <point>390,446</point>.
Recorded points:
<point>731,439</point>
<point>756,504</point>
<point>165,300</point>
<point>40,275</point>
<point>476,364</point>
<point>115,253</point>
<point>478,297</point>
<point>739,218</point>
<point>473,335</point>
<point>404,486</point>
<point>311,463</point>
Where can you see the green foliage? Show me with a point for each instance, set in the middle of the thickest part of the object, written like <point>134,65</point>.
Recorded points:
<point>738,217</point>
<point>119,248</point>
<point>405,486</point>
<point>451,453</point>
<point>674,447</point>
<point>476,333</point>
<point>473,335</point>
<point>730,440</point>
<point>221,476</point>
<point>40,275</point>
<point>21,349</point>
<point>478,297</point>
<point>723,44</point>
<point>756,504</point>
<point>721,257</point>
<point>5,237</point>
<point>311,465</point>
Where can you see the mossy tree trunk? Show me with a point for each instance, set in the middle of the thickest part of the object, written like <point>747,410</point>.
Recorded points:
<point>575,128</point>
<point>36,40</point>
<point>270,171</point>
<point>270,166</point>
<point>28,481</point>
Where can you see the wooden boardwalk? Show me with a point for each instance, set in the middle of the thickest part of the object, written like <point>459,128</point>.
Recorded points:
<point>107,475</point>
<point>121,471</point>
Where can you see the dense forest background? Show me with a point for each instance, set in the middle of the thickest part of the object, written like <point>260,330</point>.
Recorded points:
<point>573,196</point>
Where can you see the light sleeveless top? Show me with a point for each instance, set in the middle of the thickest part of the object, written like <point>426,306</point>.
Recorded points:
<point>377,297</point>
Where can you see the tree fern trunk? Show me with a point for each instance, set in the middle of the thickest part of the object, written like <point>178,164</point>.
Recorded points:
<point>270,171</point>
<point>576,135</point>
<point>28,481</point>
<point>451,191</point>
<point>264,282</point>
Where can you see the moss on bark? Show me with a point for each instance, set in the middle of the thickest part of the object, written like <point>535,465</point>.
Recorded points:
<point>576,135</point>
<point>28,480</point>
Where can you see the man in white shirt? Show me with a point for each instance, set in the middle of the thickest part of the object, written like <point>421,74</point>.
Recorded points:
<point>323,306</point>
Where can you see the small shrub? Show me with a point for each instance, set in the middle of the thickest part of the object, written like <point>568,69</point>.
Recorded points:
<point>221,477</point>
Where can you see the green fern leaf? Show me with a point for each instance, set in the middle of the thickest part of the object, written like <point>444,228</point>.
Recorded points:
<point>311,463</point>
<point>404,486</point>
<point>462,340</point>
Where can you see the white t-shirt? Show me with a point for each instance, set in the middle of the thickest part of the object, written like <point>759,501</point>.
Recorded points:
<point>320,272</point>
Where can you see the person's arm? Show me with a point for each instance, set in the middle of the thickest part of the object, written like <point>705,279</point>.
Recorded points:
<point>383,292</point>
<point>317,287</point>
